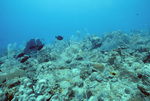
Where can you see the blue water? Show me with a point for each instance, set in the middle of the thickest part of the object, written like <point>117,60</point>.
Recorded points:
<point>21,20</point>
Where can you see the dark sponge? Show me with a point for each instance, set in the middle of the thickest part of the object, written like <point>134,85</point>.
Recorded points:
<point>32,42</point>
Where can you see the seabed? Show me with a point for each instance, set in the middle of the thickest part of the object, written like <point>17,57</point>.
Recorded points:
<point>114,67</point>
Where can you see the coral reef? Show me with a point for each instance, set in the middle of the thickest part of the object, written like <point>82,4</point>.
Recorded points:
<point>114,67</point>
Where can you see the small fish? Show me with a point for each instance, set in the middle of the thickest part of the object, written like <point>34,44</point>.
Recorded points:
<point>112,73</point>
<point>25,59</point>
<point>32,47</point>
<point>20,55</point>
<point>59,37</point>
<point>40,47</point>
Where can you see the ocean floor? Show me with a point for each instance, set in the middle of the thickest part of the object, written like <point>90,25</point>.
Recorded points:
<point>114,67</point>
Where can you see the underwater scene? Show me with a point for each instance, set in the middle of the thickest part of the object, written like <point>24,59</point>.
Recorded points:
<point>74,50</point>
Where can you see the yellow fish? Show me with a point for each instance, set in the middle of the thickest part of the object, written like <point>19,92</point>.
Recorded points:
<point>112,73</point>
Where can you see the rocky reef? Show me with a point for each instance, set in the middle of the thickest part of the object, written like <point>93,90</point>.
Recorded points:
<point>114,67</point>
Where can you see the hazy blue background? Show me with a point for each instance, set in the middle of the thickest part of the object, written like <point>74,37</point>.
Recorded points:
<point>21,20</point>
